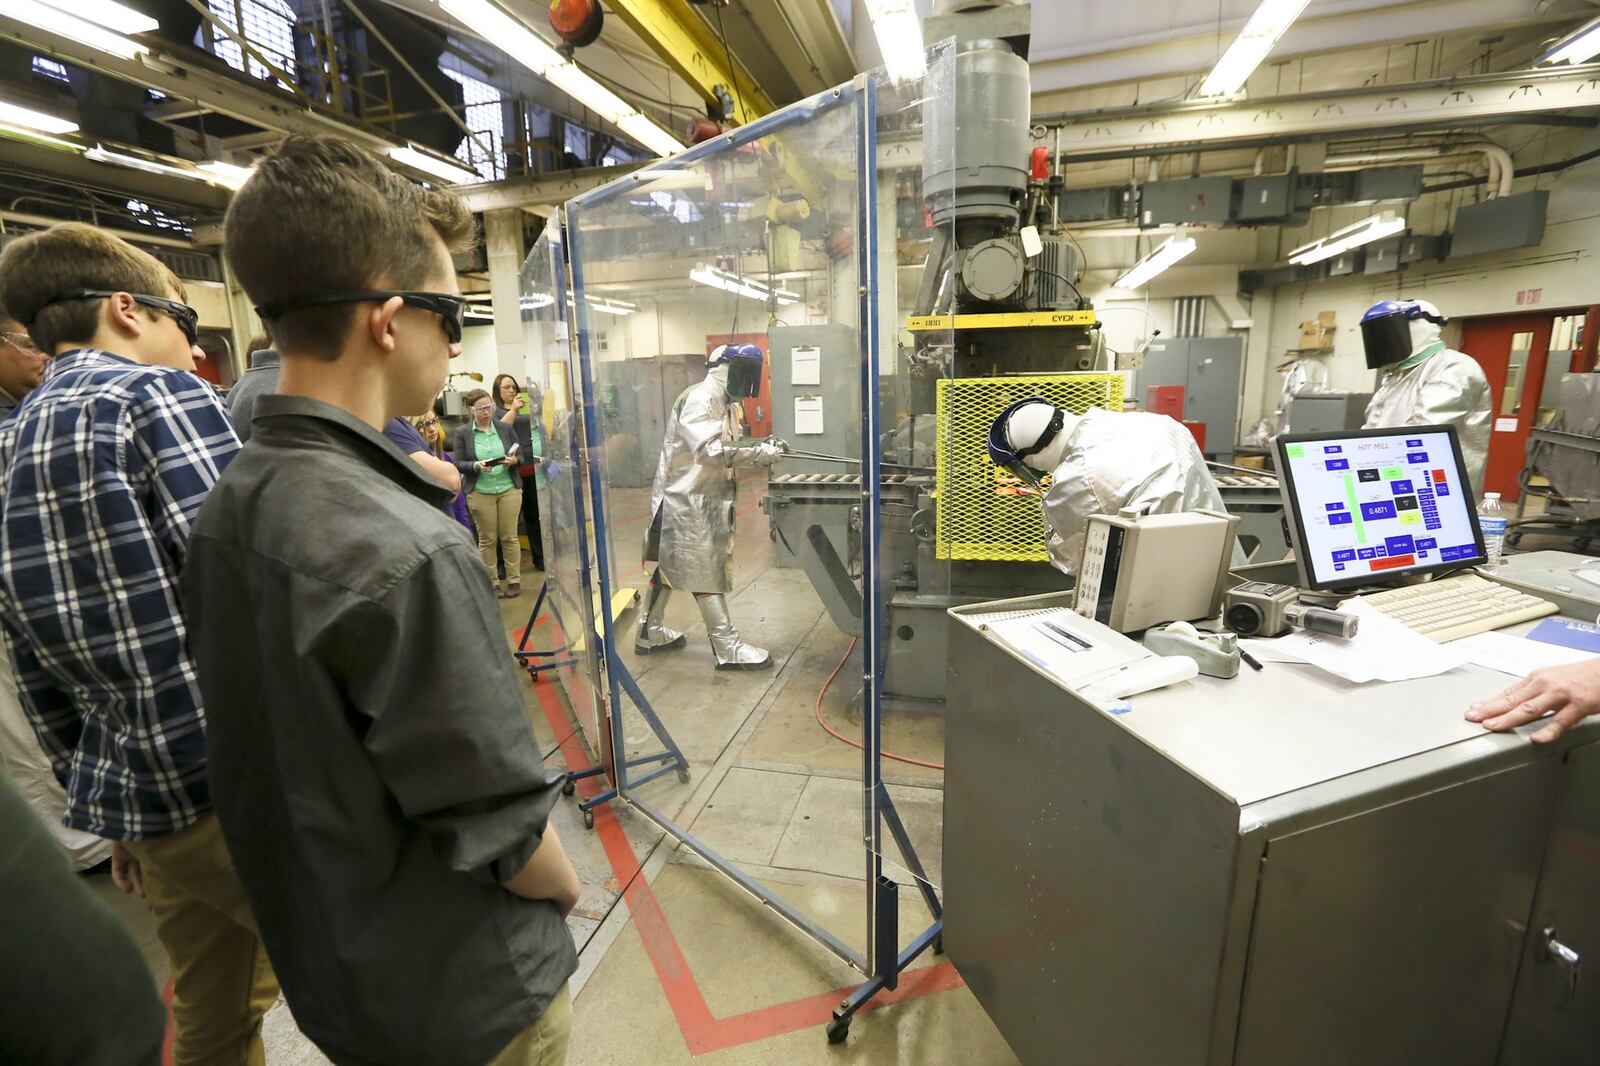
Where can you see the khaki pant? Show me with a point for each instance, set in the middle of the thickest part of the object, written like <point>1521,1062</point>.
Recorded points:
<point>496,519</point>
<point>544,1043</point>
<point>222,982</point>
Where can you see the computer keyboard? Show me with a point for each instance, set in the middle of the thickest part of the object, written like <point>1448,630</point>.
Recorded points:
<point>1458,606</point>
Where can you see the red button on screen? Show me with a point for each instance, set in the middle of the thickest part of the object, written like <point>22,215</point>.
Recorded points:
<point>1438,476</point>
<point>1392,562</point>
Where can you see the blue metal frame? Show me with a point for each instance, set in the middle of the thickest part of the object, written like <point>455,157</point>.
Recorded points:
<point>882,963</point>
<point>525,655</point>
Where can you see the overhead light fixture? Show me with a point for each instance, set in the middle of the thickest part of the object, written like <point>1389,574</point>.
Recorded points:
<point>95,34</point>
<point>722,279</point>
<point>428,163</point>
<point>1259,36</point>
<point>899,33</point>
<point>1167,253</point>
<point>610,306</point>
<point>1375,228</point>
<point>1579,46</point>
<point>226,174</point>
<point>100,154</point>
<point>28,119</point>
<point>649,133</point>
<point>107,13</point>
<point>532,51</point>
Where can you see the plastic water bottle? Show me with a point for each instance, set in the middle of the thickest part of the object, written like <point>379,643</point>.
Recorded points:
<point>1492,520</point>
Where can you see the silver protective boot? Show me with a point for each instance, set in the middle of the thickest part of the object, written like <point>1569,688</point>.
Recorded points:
<point>731,652</point>
<point>653,635</point>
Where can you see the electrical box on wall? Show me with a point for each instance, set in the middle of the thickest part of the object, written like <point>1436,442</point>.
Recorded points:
<point>1170,203</point>
<point>1266,198</point>
<point>1500,224</point>
<point>1386,183</point>
<point>1383,257</point>
<point>1093,205</point>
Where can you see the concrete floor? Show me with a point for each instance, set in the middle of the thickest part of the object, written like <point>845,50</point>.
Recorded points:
<point>690,967</point>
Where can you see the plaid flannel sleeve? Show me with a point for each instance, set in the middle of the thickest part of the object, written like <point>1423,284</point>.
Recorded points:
<point>181,439</point>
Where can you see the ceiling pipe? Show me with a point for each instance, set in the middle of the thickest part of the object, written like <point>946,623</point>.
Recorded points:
<point>1497,159</point>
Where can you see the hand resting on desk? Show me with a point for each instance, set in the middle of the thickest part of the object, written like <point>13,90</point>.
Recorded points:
<point>1572,692</point>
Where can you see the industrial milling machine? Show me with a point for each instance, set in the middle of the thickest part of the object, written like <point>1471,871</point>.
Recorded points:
<point>995,316</point>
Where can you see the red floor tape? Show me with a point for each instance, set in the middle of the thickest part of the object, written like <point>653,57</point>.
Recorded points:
<point>702,1032</point>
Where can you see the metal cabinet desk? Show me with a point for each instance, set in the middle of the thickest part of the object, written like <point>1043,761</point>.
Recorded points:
<point>1282,868</point>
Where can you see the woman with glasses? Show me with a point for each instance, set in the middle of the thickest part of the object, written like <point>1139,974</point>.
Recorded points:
<point>521,410</point>
<point>488,456</point>
<point>433,436</point>
<point>21,365</point>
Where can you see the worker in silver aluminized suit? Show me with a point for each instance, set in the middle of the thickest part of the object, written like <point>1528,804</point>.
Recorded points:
<point>1425,383</point>
<point>1099,463</point>
<point>692,506</point>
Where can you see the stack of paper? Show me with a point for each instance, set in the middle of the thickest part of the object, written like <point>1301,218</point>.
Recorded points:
<point>1381,650</point>
<point>1517,656</point>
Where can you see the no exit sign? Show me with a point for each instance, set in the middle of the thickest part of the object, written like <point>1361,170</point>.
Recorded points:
<point>1529,297</point>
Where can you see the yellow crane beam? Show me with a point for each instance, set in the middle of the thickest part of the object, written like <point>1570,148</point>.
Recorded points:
<point>695,52</point>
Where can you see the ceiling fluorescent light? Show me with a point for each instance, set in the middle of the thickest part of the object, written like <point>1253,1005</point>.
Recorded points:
<point>532,51</point>
<point>648,133</point>
<point>506,33</point>
<point>226,174</point>
<point>107,13</point>
<point>1579,46</point>
<point>428,163</point>
<point>721,279</point>
<point>1374,228</point>
<point>70,26</point>
<point>99,154</point>
<point>12,115</point>
<point>899,33</point>
<point>1259,36</point>
<point>1169,252</point>
<point>611,306</point>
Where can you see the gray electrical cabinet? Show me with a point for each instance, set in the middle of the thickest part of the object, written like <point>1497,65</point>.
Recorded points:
<point>1328,412</point>
<point>1210,370</point>
<point>815,375</point>
<point>1275,868</point>
<point>818,366</point>
<point>636,395</point>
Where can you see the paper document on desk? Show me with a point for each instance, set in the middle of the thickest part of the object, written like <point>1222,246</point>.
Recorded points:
<point>1068,647</point>
<point>1517,656</point>
<point>1381,650</point>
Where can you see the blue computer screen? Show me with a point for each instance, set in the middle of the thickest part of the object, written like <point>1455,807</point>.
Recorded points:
<point>1370,506</point>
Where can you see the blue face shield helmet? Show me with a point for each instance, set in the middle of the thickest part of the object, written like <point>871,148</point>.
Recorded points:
<point>1386,330</point>
<point>744,363</point>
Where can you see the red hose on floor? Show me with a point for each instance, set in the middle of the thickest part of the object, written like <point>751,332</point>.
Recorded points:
<point>836,735</point>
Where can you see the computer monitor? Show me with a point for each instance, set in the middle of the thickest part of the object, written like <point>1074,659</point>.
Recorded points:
<point>1366,507</point>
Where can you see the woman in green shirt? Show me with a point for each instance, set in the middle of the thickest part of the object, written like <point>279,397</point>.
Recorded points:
<point>521,411</point>
<point>487,454</point>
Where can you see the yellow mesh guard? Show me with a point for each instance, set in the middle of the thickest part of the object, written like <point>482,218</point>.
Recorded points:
<point>981,513</point>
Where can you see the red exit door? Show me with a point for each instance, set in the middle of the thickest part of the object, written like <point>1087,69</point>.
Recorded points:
<point>1512,351</point>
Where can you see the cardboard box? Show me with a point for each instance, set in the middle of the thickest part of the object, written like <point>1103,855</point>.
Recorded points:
<point>1317,332</point>
<point>1251,462</point>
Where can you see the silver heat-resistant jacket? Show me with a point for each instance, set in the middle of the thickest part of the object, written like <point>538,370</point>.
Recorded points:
<point>1446,389</point>
<point>692,500</point>
<point>1114,461</point>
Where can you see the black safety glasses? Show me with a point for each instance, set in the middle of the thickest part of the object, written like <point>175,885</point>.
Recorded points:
<point>188,318</point>
<point>450,309</point>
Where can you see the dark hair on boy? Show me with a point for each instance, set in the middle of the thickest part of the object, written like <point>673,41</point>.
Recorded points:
<point>321,215</point>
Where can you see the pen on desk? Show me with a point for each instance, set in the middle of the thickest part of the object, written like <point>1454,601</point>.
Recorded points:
<point>1254,664</point>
